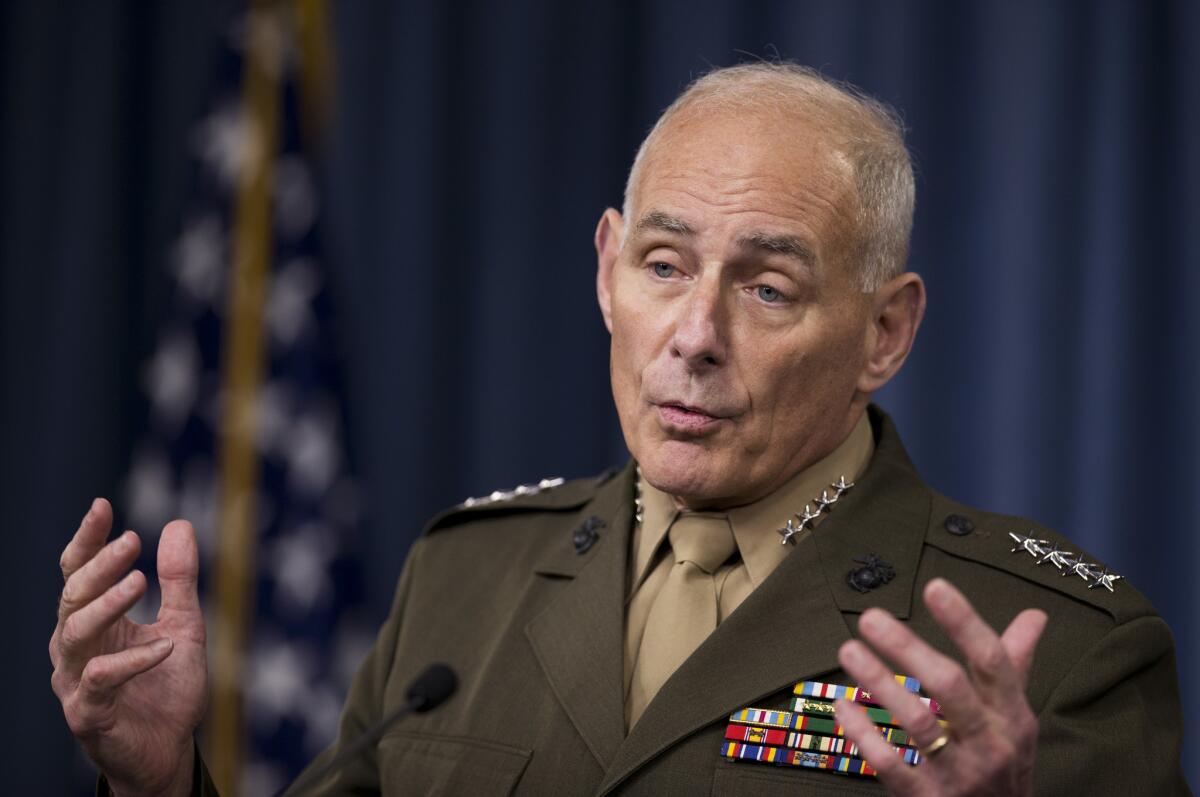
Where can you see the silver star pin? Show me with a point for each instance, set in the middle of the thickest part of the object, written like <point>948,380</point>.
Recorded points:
<point>826,500</point>
<point>1055,556</point>
<point>1104,579</point>
<point>841,485</point>
<point>802,522</point>
<point>1082,569</point>
<point>1032,546</point>
<point>790,530</point>
<point>809,514</point>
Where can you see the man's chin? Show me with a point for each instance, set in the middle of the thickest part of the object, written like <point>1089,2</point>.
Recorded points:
<point>688,472</point>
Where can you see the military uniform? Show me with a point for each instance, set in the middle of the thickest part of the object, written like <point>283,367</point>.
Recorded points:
<point>524,598</point>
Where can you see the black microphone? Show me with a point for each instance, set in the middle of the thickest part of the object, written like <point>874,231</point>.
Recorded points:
<point>430,688</point>
<point>426,692</point>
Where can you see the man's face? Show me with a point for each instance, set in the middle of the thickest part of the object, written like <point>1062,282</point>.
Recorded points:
<point>738,328</point>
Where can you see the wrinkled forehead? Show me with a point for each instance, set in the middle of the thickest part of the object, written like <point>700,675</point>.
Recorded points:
<point>749,162</point>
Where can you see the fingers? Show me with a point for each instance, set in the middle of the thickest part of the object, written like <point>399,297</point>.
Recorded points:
<point>105,673</point>
<point>98,574</point>
<point>873,675</point>
<point>88,539</point>
<point>941,676</point>
<point>84,627</point>
<point>1020,639</point>
<point>994,673</point>
<point>992,725</point>
<point>178,568</point>
<point>896,775</point>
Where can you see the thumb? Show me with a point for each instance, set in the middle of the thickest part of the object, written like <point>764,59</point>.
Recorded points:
<point>1021,637</point>
<point>178,567</point>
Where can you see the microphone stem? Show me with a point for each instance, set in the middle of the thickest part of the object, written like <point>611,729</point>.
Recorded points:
<point>310,781</point>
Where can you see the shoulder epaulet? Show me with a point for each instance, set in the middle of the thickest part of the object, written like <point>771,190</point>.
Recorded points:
<point>1034,553</point>
<point>546,495</point>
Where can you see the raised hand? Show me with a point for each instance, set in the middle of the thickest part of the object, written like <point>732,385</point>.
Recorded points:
<point>133,694</point>
<point>988,747</point>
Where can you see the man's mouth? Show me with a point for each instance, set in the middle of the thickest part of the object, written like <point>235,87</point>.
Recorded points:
<point>683,418</point>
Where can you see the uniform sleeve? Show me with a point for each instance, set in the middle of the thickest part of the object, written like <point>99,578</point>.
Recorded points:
<point>202,784</point>
<point>1114,725</point>
<point>364,703</point>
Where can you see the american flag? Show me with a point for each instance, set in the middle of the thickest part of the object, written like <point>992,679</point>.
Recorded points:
<point>244,362</point>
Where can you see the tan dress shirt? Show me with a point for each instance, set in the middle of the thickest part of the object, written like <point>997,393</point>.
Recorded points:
<point>755,529</point>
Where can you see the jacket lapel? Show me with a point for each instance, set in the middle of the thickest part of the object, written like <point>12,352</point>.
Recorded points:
<point>578,638</point>
<point>885,515</point>
<point>790,628</point>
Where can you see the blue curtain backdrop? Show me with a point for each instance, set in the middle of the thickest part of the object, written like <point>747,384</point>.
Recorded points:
<point>476,144</point>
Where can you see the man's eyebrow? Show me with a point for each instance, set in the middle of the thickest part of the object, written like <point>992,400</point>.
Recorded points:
<point>787,245</point>
<point>657,220</point>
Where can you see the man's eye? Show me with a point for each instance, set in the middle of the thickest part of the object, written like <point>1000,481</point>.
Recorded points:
<point>769,294</point>
<point>663,270</point>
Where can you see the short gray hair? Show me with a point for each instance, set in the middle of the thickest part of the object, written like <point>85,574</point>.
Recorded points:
<point>870,132</point>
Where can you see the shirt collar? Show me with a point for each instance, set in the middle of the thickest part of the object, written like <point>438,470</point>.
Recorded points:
<point>658,513</point>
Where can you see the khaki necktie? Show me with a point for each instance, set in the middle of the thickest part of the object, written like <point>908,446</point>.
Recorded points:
<point>685,611</point>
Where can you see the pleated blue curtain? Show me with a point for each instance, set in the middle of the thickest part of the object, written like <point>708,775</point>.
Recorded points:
<point>475,147</point>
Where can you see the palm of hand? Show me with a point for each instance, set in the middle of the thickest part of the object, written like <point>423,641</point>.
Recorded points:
<point>156,708</point>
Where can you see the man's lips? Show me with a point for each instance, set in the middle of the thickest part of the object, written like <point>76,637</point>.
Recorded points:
<point>686,419</point>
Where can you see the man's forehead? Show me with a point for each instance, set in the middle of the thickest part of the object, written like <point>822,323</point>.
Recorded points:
<point>722,154</point>
<point>792,132</point>
<point>754,170</point>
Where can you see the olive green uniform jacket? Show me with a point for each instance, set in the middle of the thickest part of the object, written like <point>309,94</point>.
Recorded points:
<point>534,630</point>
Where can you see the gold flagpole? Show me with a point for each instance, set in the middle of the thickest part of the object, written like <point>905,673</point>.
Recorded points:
<point>242,373</point>
<point>315,69</point>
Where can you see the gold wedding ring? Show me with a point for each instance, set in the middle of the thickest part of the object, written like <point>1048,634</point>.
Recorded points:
<point>935,747</point>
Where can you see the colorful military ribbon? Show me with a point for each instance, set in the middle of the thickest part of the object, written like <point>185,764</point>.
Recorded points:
<point>857,694</point>
<point>797,758</point>
<point>809,736</point>
<point>774,737</point>
<point>822,708</point>
<point>792,721</point>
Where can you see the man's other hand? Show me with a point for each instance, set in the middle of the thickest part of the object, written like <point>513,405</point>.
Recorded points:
<point>989,744</point>
<point>133,694</point>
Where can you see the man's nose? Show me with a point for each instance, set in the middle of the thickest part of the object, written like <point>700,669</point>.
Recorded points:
<point>700,330</point>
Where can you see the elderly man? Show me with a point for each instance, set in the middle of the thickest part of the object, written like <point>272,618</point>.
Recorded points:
<point>769,530</point>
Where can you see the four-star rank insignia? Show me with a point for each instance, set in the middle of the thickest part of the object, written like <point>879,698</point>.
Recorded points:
<point>1066,562</point>
<point>803,520</point>
<point>516,492</point>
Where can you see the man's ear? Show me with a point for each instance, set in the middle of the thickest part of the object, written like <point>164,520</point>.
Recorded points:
<point>609,233</point>
<point>896,312</point>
